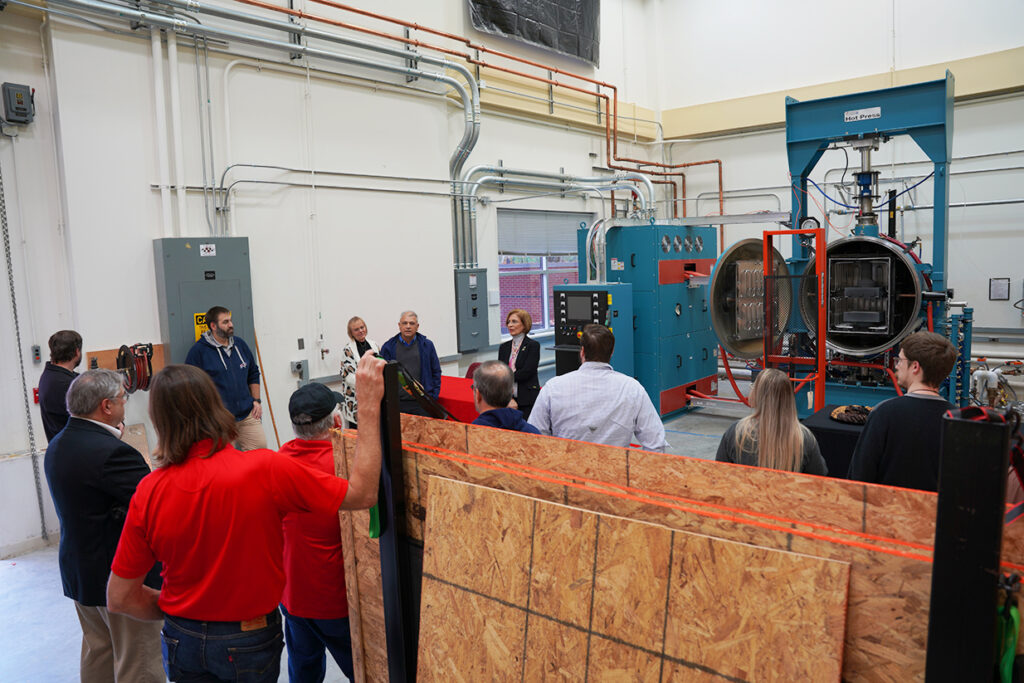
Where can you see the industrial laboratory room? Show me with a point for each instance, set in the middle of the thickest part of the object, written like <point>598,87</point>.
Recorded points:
<point>487,340</point>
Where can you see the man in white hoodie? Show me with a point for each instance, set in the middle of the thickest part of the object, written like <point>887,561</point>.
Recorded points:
<point>229,362</point>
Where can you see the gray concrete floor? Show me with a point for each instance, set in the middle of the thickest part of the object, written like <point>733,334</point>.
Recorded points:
<point>39,632</point>
<point>40,639</point>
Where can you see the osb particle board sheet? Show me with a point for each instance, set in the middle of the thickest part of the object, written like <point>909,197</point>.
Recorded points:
<point>135,436</point>
<point>362,579</point>
<point>887,623</point>
<point>632,598</point>
<point>107,358</point>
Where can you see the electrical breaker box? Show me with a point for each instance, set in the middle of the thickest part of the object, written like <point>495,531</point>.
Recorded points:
<point>18,104</point>
<point>193,274</point>
<point>471,308</point>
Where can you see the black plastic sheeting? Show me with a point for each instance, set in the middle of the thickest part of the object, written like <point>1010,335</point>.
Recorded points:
<point>571,27</point>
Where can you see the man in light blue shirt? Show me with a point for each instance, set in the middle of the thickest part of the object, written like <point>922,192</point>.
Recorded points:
<point>597,404</point>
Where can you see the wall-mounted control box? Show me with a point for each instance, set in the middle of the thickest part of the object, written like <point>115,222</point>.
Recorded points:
<point>19,106</point>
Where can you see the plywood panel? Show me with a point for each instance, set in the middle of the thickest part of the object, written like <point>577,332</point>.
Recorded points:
<point>657,596</point>
<point>885,534</point>
<point>135,436</point>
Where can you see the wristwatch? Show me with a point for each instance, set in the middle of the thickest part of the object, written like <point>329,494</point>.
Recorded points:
<point>257,400</point>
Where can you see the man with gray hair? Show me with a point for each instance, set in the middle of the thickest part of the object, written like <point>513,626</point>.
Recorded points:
<point>314,602</point>
<point>418,356</point>
<point>492,392</point>
<point>92,475</point>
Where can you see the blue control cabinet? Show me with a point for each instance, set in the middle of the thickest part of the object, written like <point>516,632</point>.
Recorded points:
<point>667,264</point>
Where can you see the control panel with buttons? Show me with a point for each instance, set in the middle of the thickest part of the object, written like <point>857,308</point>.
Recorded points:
<point>577,306</point>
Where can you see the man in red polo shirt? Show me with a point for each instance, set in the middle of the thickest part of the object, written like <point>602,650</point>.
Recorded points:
<point>314,603</point>
<point>212,515</point>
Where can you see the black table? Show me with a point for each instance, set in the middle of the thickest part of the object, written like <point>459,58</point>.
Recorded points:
<point>835,439</point>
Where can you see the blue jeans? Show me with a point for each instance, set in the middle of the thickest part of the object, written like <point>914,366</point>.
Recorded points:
<point>213,651</point>
<point>307,639</point>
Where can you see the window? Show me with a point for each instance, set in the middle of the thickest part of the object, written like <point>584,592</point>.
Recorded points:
<point>536,251</point>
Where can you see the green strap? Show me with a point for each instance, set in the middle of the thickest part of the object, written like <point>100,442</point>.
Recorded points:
<point>1009,630</point>
<point>375,522</point>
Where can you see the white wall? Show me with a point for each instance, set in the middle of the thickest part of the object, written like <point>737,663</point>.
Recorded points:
<point>83,213</point>
<point>317,256</point>
<point>723,50</point>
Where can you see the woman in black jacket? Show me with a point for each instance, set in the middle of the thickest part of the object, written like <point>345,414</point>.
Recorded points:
<point>522,355</point>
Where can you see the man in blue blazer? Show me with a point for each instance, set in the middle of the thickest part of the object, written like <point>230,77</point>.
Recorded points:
<point>92,475</point>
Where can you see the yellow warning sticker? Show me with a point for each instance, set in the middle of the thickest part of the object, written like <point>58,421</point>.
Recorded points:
<point>200,323</point>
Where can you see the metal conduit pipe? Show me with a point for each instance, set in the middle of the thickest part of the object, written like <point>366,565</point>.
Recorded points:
<point>464,147</point>
<point>469,188</point>
<point>473,113</point>
<point>470,137</point>
<point>574,188</point>
<point>592,180</point>
<point>922,207</point>
<point>469,198</point>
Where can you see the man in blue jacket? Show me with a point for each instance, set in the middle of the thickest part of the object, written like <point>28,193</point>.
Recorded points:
<point>417,355</point>
<point>229,362</point>
<point>492,392</point>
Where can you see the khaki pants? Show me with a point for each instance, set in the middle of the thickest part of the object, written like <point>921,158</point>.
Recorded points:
<point>116,647</point>
<point>250,434</point>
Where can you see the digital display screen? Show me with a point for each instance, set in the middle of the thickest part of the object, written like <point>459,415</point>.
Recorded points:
<point>577,306</point>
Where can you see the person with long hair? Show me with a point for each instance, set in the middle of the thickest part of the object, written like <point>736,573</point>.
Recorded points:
<point>522,355</point>
<point>772,435</point>
<point>213,516</point>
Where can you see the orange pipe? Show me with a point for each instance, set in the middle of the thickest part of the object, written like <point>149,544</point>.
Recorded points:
<point>611,104</point>
<point>931,325</point>
<point>694,392</point>
<point>728,373</point>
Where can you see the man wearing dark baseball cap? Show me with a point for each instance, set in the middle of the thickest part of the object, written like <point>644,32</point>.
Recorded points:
<point>314,602</point>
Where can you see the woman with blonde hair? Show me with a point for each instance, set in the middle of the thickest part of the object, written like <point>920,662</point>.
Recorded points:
<point>350,356</point>
<point>772,436</point>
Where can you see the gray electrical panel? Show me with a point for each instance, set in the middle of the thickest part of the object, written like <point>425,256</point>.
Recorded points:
<point>193,274</point>
<point>471,308</point>
<point>19,106</point>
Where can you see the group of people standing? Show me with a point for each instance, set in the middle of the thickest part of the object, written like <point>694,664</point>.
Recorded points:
<point>180,572</point>
<point>200,552</point>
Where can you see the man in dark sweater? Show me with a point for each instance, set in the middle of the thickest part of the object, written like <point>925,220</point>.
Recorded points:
<point>901,442</point>
<point>59,373</point>
<point>492,392</point>
<point>229,362</point>
<point>417,355</point>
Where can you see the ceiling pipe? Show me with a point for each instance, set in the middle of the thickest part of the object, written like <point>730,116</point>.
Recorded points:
<point>470,102</point>
<point>511,176</point>
<point>469,198</point>
<point>611,103</point>
<point>160,110</point>
<point>472,114</point>
<point>460,236</point>
<point>177,138</point>
<point>180,26</point>
<point>589,180</point>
